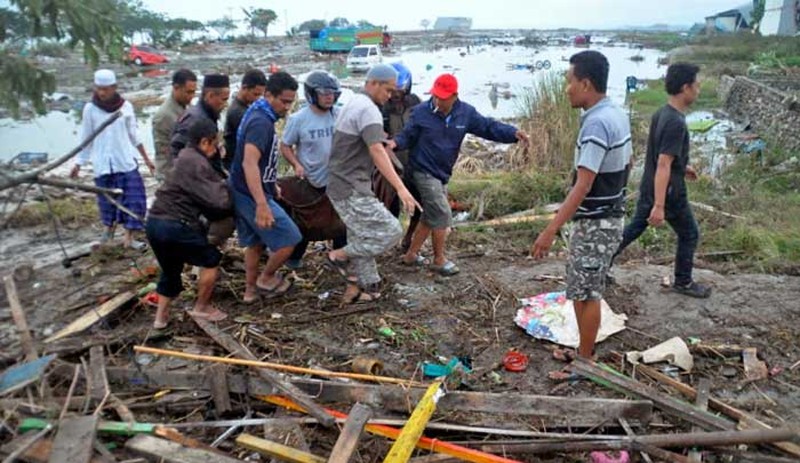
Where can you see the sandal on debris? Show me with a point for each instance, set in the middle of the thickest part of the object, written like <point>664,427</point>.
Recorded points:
<point>419,261</point>
<point>214,316</point>
<point>447,270</point>
<point>281,288</point>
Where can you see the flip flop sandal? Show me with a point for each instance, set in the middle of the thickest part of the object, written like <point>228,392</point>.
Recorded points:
<point>447,270</point>
<point>564,355</point>
<point>137,245</point>
<point>420,261</point>
<point>340,266</point>
<point>215,316</point>
<point>251,300</point>
<point>282,288</point>
<point>564,376</point>
<point>362,297</point>
<point>160,325</point>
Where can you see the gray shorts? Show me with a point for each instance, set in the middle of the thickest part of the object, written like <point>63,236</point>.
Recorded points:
<point>592,244</point>
<point>433,196</point>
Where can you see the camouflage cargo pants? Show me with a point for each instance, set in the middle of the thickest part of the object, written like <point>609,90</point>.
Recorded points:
<point>371,231</point>
<point>592,244</point>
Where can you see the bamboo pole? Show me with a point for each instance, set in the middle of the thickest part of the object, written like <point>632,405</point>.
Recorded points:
<point>277,366</point>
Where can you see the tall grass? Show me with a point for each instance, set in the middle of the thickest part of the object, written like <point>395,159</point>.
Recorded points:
<point>551,123</point>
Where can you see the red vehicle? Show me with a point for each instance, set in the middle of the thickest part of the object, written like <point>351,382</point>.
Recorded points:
<point>143,55</point>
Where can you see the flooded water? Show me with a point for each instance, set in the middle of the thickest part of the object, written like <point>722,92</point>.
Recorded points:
<point>477,71</point>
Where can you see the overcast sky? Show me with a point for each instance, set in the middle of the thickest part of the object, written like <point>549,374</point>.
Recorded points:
<point>485,14</point>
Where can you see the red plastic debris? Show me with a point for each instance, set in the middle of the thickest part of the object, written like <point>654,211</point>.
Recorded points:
<point>515,361</point>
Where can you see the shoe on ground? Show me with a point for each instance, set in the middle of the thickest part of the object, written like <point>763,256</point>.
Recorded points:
<point>693,289</point>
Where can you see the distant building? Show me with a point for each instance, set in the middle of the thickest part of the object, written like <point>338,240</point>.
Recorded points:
<point>452,24</point>
<point>781,17</point>
<point>731,21</point>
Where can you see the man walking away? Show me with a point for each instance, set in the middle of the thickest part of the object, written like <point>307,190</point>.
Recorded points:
<point>662,193</point>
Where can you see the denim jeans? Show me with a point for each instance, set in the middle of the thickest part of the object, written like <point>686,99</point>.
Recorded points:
<point>679,216</point>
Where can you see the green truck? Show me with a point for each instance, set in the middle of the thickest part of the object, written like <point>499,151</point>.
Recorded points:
<point>342,39</point>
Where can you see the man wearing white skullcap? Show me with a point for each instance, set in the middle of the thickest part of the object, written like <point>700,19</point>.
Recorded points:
<point>113,157</point>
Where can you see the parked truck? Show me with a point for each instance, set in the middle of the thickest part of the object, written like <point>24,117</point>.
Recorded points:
<point>343,39</point>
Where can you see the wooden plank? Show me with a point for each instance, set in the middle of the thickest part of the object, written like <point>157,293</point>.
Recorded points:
<point>552,411</point>
<point>216,376</point>
<point>164,451</point>
<point>679,440</point>
<point>98,382</point>
<point>607,376</point>
<point>18,315</point>
<point>75,440</point>
<point>93,316</point>
<point>38,452</point>
<point>629,431</point>
<point>229,343</point>
<point>403,447</point>
<point>175,436</point>
<point>703,391</point>
<point>353,430</point>
<point>745,420</point>
<point>274,449</point>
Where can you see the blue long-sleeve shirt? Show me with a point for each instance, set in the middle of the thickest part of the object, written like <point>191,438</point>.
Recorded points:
<point>435,139</point>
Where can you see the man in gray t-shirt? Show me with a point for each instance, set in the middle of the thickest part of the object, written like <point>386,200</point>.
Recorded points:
<point>357,149</point>
<point>306,142</point>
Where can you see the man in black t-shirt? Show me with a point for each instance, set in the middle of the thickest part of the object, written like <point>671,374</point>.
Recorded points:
<point>662,193</point>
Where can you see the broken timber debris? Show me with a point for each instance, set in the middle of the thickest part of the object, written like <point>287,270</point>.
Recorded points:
<point>171,452</point>
<point>228,343</point>
<point>274,449</point>
<point>93,316</point>
<point>74,441</point>
<point>18,314</point>
<point>351,434</point>
<point>550,410</point>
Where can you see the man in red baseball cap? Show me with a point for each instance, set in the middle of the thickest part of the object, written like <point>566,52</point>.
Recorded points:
<point>434,135</point>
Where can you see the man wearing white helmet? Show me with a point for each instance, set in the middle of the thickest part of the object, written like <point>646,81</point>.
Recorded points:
<point>307,139</point>
<point>113,157</point>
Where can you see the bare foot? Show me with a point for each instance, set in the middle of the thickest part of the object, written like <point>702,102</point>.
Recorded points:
<point>250,295</point>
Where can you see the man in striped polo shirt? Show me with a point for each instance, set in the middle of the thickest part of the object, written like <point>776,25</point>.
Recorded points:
<point>596,202</point>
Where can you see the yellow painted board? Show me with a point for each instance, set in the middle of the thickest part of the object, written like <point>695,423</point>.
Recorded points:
<point>404,446</point>
<point>93,316</point>
<point>276,450</point>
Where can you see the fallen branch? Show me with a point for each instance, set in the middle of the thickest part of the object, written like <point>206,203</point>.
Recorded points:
<point>33,176</point>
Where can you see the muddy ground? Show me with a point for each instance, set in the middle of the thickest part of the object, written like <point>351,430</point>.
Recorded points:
<point>469,315</point>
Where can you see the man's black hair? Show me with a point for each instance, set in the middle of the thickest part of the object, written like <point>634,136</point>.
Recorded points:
<point>591,65</point>
<point>279,82</point>
<point>200,129</point>
<point>254,78</point>
<point>678,75</point>
<point>182,76</point>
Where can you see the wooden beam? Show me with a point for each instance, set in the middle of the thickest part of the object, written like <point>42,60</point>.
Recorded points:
<point>351,434</point>
<point>680,440</point>
<point>217,378</point>
<point>74,441</point>
<point>231,345</point>
<point>98,382</point>
<point>93,316</point>
<point>703,390</point>
<point>38,452</point>
<point>165,451</point>
<point>18,314</point>
<point>276,450</point>
<point>552,411</point>
<point>606,376</point>
<point>745,420</point>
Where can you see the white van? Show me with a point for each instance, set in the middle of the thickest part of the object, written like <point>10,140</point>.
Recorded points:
<point>363,57</point>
